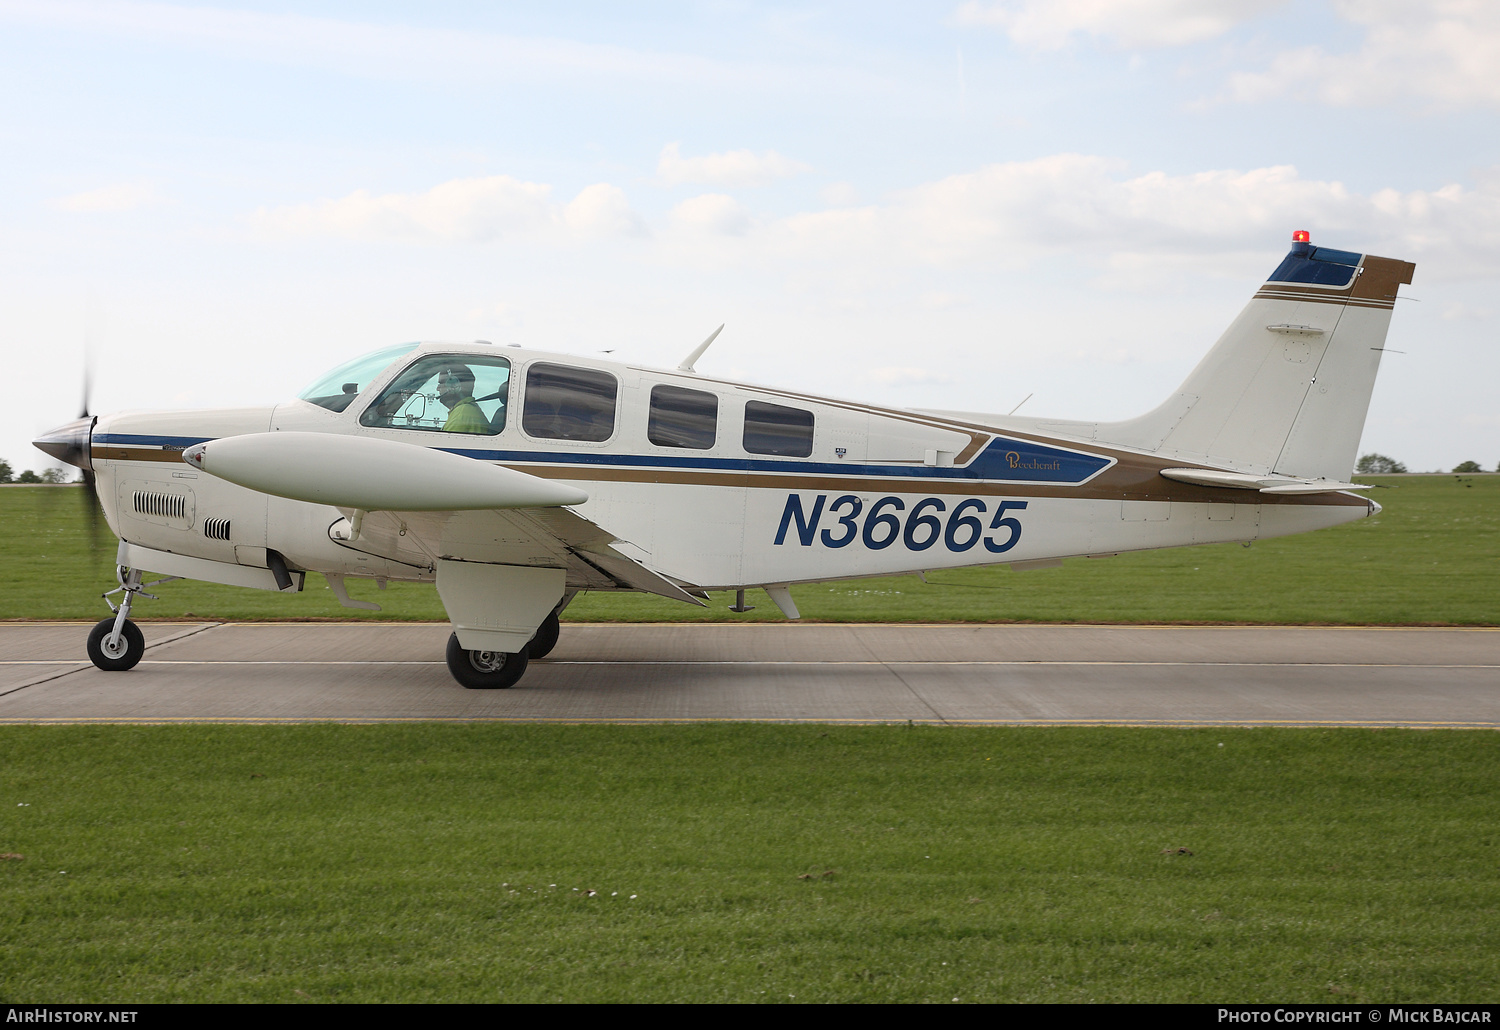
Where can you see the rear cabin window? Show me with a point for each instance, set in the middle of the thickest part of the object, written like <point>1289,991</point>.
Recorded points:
<point>683,418</point>
<point>778,429</point>
<point>566,403</point>
<point>450,393</point>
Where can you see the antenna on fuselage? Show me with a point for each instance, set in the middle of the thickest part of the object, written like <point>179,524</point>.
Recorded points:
<point>692,359</point>
<point>1018,406</point>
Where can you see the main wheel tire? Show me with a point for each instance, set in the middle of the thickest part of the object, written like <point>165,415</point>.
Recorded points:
<point>126,652</point>
<point>546,638</point>
<point>484,670</point>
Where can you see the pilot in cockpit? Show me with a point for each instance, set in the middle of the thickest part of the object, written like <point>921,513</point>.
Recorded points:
<point>456,393</point>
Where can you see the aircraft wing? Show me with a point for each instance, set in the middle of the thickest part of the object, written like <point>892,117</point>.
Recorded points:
<point>552,537</point>
<point>417,505</point>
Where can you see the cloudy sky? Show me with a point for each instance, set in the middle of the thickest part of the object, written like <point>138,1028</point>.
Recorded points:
<point>936,205</point>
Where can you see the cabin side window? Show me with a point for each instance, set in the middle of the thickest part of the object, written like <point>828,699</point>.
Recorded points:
<point>778,429</point>
<point>566,403</point>
<point>683,418</point>
<point>451,393</point>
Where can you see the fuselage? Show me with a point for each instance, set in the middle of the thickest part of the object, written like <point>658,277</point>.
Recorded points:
<point>710,483</point>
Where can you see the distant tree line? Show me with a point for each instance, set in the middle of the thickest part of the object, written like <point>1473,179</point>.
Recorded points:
<point>52,475</point>
<point>1378,464</point>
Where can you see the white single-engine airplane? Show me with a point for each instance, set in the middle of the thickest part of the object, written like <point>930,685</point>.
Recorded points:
<point>515,479</point>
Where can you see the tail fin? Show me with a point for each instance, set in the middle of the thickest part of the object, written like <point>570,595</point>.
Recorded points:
<point>1287,387</point>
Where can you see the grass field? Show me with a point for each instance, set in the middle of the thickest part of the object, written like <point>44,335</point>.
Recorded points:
<point>736,863</point>
<point>1432,556</point>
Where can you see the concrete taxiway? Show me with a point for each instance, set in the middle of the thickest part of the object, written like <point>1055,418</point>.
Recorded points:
<point>1015,675</point>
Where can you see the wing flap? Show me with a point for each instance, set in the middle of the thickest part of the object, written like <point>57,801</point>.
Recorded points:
<point>538,537</point>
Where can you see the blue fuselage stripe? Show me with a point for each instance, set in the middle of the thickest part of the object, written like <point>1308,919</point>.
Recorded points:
<point>1002,460</point>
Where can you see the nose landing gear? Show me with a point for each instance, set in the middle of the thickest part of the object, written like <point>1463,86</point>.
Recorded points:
<point>116,644</point>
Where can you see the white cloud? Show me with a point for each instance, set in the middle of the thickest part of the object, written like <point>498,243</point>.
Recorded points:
<point>713,213</point>
<point>1085,205</point>
<point>460,211</point>
<point>1440,51</point>
<point>1052,24</point>
<point>732,168</point>
<point>602,210</point>
<point>1135,229</point>
<point>839,194</point>
<point>120,197</point>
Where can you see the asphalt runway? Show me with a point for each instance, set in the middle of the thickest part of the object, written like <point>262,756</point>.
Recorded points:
<point>1003,675</point>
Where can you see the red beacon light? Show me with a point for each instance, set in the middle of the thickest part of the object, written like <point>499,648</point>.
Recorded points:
<point>1301,236</point>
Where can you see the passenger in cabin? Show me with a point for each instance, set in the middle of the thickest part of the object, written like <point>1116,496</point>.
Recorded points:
<point>456,393</point>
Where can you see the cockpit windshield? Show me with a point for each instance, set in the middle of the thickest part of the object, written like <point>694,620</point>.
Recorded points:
<point>336,390</point>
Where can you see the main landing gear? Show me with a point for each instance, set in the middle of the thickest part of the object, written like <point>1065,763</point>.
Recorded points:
<point>496,670</point>
<point>116,644</point>
<point>546,637</point>
<point>485,670</point>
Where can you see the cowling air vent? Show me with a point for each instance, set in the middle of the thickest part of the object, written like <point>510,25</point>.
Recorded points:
<point>216,529</point>
<point>167,506</point>
<point>161,504</point>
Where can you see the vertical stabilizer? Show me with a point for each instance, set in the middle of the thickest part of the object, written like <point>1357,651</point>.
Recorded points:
<point>1287,387</point>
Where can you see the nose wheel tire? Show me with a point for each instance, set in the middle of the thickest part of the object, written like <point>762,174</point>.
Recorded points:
<point>484,670</point>
<point>546,638</point>
<point>124,654</point>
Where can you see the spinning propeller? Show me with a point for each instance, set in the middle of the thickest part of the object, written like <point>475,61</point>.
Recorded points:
<point>69,443</point>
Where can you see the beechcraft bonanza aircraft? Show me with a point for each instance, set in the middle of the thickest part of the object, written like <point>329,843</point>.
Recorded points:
<point>514,479</point>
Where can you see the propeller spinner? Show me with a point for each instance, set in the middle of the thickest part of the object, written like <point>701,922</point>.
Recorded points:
<point>69,442</point>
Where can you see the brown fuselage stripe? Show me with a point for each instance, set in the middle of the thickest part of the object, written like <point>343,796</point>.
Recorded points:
<point>1135,479</point>
<point>1097,490</point>
<point>135,454</point>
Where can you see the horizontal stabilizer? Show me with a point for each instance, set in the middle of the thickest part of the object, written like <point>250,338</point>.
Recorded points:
<point>1314,487</point>
<point>366,473</point>
<point>1262,484</point>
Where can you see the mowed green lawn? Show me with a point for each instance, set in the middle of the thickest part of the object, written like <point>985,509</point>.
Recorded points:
<point>1432,556</point>
<point>740,863</point>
